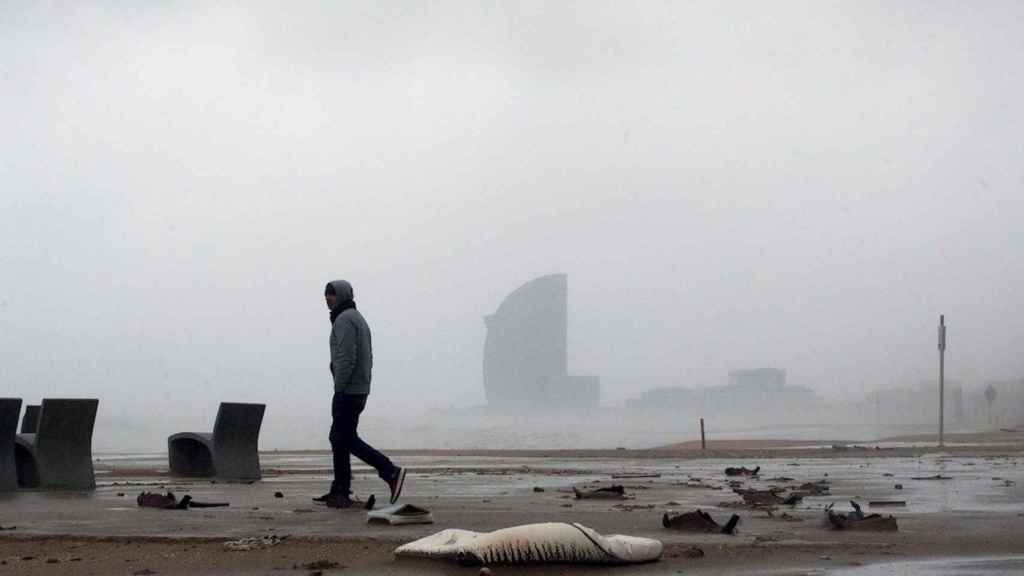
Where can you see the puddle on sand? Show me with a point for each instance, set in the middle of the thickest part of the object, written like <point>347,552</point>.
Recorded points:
<point>1003,566</point>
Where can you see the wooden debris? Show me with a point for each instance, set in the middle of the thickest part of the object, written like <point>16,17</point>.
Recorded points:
<point>699,521</point>
<point>615,492</point>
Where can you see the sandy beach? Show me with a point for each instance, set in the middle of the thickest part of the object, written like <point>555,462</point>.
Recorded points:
<point>975,511</point>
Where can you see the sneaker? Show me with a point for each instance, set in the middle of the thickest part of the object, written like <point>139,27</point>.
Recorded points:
<point>396,482</point>
<point>339,501</point>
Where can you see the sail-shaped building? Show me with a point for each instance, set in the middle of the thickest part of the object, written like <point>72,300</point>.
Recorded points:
<point>525,353</point>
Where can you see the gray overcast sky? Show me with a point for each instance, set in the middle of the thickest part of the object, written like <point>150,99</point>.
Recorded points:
<point>804,185</point>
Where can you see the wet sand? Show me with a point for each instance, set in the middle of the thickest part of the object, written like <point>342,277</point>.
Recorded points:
<point>978,512</point>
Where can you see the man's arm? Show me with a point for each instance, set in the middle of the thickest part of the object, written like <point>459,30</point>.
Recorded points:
<point>345,353</point>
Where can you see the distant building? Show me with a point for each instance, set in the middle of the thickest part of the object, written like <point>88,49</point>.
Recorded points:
<point>525,353</point>
<point>751,397</point>
<point>759,378</point>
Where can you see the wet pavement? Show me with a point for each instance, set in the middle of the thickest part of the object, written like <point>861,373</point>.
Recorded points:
<point>1006,566</point>
<point>485,493</point>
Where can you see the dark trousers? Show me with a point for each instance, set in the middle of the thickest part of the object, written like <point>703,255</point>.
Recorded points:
<point>345,410</point>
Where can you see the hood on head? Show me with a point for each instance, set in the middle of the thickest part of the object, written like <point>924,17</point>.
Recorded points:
<point>342,290</point>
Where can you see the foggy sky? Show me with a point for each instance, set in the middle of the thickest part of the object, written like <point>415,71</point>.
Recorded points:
<point>799,185</point>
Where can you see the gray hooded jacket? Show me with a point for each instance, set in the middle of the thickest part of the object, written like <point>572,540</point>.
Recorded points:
<point>351,351</point>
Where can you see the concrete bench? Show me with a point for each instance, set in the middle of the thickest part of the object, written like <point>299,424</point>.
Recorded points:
<point>9,410</point>
<point>231,451</point>
<point>59,454</point>
<point>30,421</point>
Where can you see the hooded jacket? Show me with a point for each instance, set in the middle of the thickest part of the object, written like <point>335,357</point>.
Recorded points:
<point>351,350</point>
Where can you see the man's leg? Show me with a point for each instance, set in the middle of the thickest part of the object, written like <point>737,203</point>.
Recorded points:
<point>343,431</point>
<point>388,472</point>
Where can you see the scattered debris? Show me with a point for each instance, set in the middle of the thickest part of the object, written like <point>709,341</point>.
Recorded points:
<point>699,484</point>
<point>816,488</point>
<point>616,492</point>
<point>278,494</point>
<point>699,521</point>
<point>786,516</point>
<point>880,503</point>
<point>163,501</point>
<point>936,477</point>
<point>742,471</point>
<point>760,498</point>
<point>631,507</point>
<point>317,565</point>
<point>400,514</point>
<point>254,543</point>
<point>898,487</point>
<point>793,499</point>
<point>170,502</point>
<point>856,520</point>
<point>693,552</point>
<point>538,489</point>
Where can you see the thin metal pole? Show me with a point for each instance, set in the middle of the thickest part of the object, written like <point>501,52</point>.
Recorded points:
<point>942,375</point>
<point>703,444</point>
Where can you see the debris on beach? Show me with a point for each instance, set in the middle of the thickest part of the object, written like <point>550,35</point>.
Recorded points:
<point>631,507</point>
<point>254,543</point>
<point>550,542</point>
<point>162,501</point>
<point>318,565</point>
<point>816,488</point>
<point>760,498</point>
<point>935,477</point>
<point>699,484</point>
<point>278,494</point>
<point>400,514</point>
<point>857,520</point>
<point>699,521</point>
<point>742,471</point>
<point>615,492</point>
<point>538,489</point>
<point>170,502</point>
<point>693,552</point>
<point>786,516</point>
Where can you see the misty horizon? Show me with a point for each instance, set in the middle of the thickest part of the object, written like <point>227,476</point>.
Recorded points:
<point>726,186</point>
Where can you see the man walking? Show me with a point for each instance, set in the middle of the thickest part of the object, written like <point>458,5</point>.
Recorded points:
<point>351,365</point>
